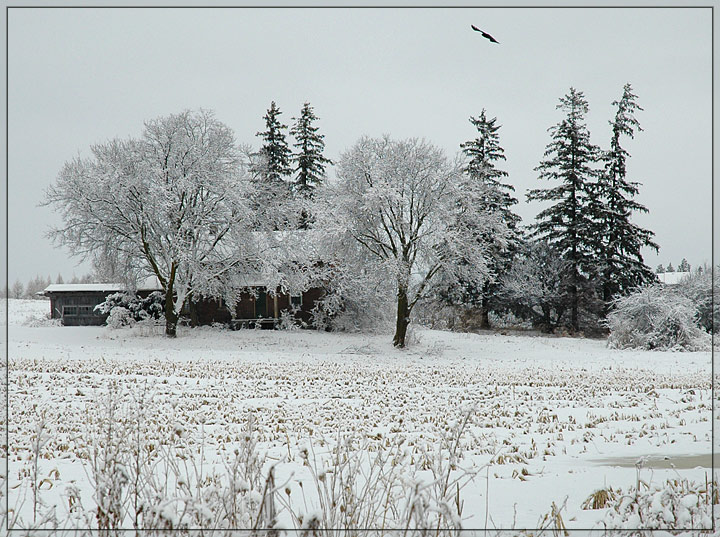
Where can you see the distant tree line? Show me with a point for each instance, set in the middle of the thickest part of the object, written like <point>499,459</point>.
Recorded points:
<point>37,284</point>
<point>684,266</point>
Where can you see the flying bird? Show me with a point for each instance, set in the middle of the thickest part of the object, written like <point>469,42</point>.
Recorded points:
<point>484,34</point>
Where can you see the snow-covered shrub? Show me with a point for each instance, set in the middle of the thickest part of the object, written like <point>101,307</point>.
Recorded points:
<point>36,320</point>
<point>699,288</point>
<point>656,318</point>
<point>126,309</point>
<point>673,505</point>
<point>287,321</point>
<point>120,317</point>
<point>508,320</point>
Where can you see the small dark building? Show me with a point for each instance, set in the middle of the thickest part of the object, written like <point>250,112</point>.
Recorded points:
<point>74,303</point>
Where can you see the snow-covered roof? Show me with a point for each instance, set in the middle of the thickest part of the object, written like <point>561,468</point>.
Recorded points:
<point>672,278</point>
<point>149,284</point>
<point>251,279</point>
<point>67,287</point>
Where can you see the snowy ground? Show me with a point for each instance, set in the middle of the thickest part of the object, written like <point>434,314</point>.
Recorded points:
<point>555,418</point>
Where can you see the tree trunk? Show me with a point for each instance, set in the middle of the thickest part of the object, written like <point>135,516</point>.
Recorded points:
<point>574,304</point>
<point>607,294</point>
<point>485,307</point>
<point>171,317</point>
<point>403,318</point>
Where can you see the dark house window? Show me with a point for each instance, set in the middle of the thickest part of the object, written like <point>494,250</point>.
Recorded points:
<point>72,311</point>
<point>296,300</point>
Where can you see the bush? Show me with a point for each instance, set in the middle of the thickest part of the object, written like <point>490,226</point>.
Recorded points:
<point>120,317</point>
<point>126,309</point>
<point>656,318</point>
<point>698,287</point>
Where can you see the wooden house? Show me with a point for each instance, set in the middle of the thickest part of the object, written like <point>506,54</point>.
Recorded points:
<point>75,305</point>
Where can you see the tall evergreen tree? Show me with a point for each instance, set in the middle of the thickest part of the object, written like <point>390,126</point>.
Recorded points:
<point>684,266</point>
<point>483,153</point>
<point>309,161</point>
<point>566,224</point>
<point>275,153</point>
<point>619,241</point>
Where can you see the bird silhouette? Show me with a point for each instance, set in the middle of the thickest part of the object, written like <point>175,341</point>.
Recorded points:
<point>484,34</point>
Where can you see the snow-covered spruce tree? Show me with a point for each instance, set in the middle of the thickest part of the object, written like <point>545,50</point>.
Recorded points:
<point>567,224</point>
<point>409,207</point>
<point>308,160</point>
<point>660,269</point>
<point>482,154</point>
<point>684,266</point>
<point>275,149</point>
<point>620,264</point>
<point>270,170</point>
<point>174,200</point>
<point>670,268</point>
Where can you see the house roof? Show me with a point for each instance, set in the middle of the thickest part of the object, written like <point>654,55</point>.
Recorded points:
<point>150,284</point>
<point>69,287</point>
<point>672,278</point>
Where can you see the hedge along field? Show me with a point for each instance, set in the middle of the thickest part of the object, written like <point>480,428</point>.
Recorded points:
<point>488,430</point>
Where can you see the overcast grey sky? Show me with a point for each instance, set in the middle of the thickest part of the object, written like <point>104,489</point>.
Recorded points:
<point>82,76</point>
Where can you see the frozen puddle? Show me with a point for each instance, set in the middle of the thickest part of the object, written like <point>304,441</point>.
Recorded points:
<point>681,462</point>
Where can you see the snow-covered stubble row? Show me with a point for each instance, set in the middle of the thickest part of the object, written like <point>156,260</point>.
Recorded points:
<point>522,417</point>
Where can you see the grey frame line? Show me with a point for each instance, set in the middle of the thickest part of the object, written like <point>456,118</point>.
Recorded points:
<point>626,6</point>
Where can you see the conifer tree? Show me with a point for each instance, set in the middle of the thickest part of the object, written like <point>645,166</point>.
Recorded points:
<point>309,161</point>
<point>566,224</point>
<point>270,170</point>
<point>660,269</point>
<point>275,152</point>
<point>483,153</point>
<point>670,268</point>
<point>684,266</point>
<point>619,241</point>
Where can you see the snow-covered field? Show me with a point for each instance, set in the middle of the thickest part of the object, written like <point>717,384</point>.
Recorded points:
<point>548,419</point>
